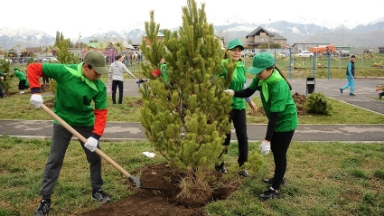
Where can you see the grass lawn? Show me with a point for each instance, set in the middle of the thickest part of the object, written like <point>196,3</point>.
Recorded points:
<point>322,179</point>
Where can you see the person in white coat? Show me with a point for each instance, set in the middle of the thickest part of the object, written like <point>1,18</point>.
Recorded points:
<point>116,71</point>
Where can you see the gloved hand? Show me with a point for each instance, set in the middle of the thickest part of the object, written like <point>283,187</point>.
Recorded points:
<point>265,147</point>
<point>37,100</point>
<point>1,78</point>
<point>230,91</point>
<point>91,144</point>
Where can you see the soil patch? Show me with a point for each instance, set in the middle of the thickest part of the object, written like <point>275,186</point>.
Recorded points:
<point>299,100</point>
<point>165,201</point>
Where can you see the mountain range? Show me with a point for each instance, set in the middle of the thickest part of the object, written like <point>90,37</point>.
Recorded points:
<point>364,35</point>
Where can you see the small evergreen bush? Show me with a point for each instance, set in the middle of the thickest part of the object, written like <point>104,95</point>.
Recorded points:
<point>317,103</point>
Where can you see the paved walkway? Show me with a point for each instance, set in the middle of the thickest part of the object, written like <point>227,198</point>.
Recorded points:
<point>365,91</point>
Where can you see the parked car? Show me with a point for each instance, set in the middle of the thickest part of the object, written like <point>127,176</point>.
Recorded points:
<point>368,51</point>
<point>50,59</point>
<point>284,54</point>
<point>305,54</point>
<point>247,53</point>
<point>344,53</point>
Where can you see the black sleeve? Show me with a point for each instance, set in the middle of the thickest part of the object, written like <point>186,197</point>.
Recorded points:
<point>244,93</point>
<point>271,125</point>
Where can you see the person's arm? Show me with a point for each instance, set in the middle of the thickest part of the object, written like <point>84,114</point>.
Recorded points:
<point>100,123</point>
<point>244,93</point>
<point>35,71</point>
<point>100,111</point>
<point>271,125</point>
<point>250,102</point>
<point>350,69</point>
<point>128,71</point>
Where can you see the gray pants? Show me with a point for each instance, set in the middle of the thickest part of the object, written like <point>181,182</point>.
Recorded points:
<point>60,141</point>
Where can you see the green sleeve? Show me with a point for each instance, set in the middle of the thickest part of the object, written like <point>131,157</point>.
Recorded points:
<point>254,84</point>
<point>58,72</point>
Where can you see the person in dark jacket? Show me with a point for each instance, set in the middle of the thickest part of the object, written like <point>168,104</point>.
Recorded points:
<point>350,77</point>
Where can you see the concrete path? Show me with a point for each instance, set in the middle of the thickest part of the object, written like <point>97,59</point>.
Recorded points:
<point>365,91</point>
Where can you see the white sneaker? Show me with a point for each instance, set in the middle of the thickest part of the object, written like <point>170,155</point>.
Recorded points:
<point>22,92</point>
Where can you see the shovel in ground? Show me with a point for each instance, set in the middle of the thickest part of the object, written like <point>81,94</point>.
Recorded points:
<point>132,178</point>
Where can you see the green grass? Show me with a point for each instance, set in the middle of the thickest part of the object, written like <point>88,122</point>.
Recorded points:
<point>322,179</point>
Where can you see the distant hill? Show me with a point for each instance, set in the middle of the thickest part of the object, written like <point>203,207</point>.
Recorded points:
<point>369,35</point>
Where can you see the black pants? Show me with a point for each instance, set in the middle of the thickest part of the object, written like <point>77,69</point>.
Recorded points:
<point>238,117</point>
<point>115,84</point>
<point>279,147</point>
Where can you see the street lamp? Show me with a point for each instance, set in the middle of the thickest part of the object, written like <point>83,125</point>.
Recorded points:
<point>268,33</point>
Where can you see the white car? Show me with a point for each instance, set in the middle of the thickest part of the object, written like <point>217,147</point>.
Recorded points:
<point>50,59</point>
<point>305,54</point>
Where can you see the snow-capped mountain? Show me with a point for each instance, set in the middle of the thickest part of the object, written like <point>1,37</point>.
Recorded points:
<point>23,37</point>
<point>369,34</point>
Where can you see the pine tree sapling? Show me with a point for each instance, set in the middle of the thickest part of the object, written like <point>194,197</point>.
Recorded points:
<point>317,103</point>
<point>186,117</point>
<point>7,82</point>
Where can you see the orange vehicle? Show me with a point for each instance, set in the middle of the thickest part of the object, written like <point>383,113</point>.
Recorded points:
<point>323,49</point>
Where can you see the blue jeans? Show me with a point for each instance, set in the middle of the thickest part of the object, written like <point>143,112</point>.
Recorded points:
<point>351,83</point>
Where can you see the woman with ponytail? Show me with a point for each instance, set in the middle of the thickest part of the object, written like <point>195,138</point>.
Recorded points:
<point>281,111</point>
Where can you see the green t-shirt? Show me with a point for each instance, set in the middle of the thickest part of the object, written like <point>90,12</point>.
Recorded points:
<point>20,75</point>
<point>281,101</point>
<point>238,81</point>
<point>74,96</point>
<point>163,69</point>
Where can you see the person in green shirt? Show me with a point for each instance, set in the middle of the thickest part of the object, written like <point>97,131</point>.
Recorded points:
<point>22,80</point>
<point>281,111</point>
<point>238,113</point>
<point>77,86</point>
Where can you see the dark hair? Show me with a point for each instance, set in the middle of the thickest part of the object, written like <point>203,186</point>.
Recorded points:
<point>89,66</point>
<point>275,67</point>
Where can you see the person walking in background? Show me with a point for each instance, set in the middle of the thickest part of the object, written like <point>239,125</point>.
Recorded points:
<point>77,86</point>
<point>22,80</point>
<point>281,111</point>
<point>238,113</point>
<point>350,77</point>
<point>116,71</point>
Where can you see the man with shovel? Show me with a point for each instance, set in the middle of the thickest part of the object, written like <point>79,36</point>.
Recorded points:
<point>76,87</point>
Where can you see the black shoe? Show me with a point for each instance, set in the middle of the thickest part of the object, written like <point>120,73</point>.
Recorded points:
<point>270,194</point>
<point>351,94</point>
<point>221,168</point>
<point>100,196</point>
<point>341,91</point>
<point>270,181</point>
<point>43,208</point>
<point>244,173</point>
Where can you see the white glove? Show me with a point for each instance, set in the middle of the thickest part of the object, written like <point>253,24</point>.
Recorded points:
<point>265,147</point>
<point>230,91</point>
<point>91,144</point>
<point>2,78</point>
<point>37,100</point>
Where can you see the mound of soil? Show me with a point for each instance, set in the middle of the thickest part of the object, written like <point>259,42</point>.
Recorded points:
<point>163,199</point>
<point>299,100</point>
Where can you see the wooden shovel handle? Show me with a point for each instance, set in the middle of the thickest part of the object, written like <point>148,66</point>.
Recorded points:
<point>84,140</point>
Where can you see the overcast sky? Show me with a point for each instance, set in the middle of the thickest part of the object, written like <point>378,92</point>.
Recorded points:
<point>87,17</point>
